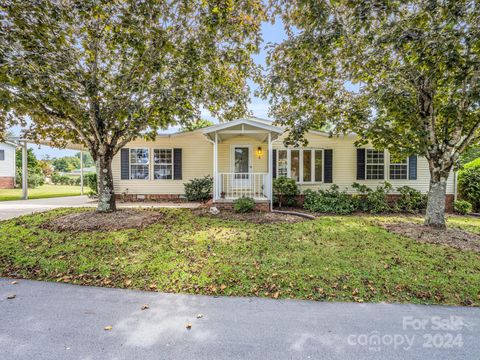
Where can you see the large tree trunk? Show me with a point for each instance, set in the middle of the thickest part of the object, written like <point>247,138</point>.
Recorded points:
<point>106,194</point>
<point>435,215</point>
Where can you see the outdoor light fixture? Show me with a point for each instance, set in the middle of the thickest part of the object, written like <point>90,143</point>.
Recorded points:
<point>259,152</point>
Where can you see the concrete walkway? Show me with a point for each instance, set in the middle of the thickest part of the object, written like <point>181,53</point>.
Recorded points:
<point>12,209</point>
<point>58,321</point>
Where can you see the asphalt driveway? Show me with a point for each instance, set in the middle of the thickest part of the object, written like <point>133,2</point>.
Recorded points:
<point>12,209</point>
<point>59,321</point>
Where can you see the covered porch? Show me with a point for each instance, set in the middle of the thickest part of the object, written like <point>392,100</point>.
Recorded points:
<point>242,159</point>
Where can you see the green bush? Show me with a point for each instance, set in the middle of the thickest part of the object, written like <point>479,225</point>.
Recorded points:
<point>469,183</point>
<point>35,178</point>
<point>411,200</point>
<point>199,189</point>
<point>243,205</point>
<point>329,201</point>
<point>462,207</point>
<point>285,191</point>
<point>91,182</point>
<point>373,201</point>
<point>58,179</point>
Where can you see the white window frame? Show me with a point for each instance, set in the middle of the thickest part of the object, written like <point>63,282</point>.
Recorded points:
<point>312,164</point>
<point>154,163</point>
<point>366,165</point>
<point>407,164</point>
<point>130,163</point>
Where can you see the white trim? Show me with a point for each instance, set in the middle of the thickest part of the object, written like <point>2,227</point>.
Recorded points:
<point>232,156</point>
<point>312,164</point>
<point>385,175</point>
<point>390,163</point>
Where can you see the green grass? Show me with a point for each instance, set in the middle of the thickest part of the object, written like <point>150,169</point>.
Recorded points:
<point>42,192</point>
<point>330,259</point>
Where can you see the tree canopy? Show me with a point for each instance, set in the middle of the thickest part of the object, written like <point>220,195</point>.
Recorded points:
<point>403,75</point>
<point>101,73</point>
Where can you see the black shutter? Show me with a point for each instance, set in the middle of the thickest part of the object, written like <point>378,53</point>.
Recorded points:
<point>125,164</point>
<point>274,164</point>
<point>360,164</point>
<point>328,166</point>
<point>2,155</point>
<point>177,164</point>
<point>412,167</point>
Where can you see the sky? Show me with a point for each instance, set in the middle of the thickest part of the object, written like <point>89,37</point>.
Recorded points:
<point>272,33</point>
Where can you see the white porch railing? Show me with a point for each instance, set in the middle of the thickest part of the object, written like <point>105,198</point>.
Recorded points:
<point>231,186</point>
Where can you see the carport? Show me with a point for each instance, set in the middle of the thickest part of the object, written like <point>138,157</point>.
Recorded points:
<point>23,143</point>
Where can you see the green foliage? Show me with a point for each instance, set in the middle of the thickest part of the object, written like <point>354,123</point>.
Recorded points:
<point>329,201</point>
<point>285,191</point>
<point>58,179</point>
<point>195,125</point>
<point>402,74</point>
<point>469,183</point>
<point>471,154</point>
<point>462,207</point>
<point>199,189</point>
<point>106,72</point>
<point>373,201</point>
<point>87,159</point>
<point>66,163</point>
<point>411,200</point>
<point>35,172</point>
<point>243,205</point>
<point>91,182</point>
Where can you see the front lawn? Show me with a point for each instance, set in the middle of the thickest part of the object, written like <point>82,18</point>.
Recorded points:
<point>335,258</point>
<point>42,192</point>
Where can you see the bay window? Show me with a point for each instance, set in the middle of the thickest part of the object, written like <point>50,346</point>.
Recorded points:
<point>302,165</point>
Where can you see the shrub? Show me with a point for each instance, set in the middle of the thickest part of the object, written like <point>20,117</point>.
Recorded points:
<point>469,183</point>
<point>285,191</point>
<point>199,189</point>
<point>329,201</point>
<point>411,200</point>
<point>462,207</point>
<point>91,182</point>
<point>58,179</point>
<point>374,201</point>
<point>243,205</point>
<point>35,178</point>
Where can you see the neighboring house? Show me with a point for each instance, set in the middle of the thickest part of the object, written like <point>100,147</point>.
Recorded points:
<point>244,155</point>
<point>7,165</point>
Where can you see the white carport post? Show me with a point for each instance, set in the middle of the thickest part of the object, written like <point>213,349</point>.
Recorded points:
<point>24,171</point>
<point>270,170</point>
<point>215,168</point>
<point>81,172</point>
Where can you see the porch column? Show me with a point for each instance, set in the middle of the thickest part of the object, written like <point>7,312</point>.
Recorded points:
<point>81,172</point>
<point>270,170</point>
<point>24,171</point>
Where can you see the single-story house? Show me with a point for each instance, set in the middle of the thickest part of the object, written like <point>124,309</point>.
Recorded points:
<point>245,155</point>
<point>7,165</point>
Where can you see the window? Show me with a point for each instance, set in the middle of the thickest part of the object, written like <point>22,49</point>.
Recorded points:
<point>375,164</point>
<point>163,164</point>
<point>2,155</point>
<point>398,169</point>
<point>302,165</point>
<point>282,163</point>
<point>139,164</point>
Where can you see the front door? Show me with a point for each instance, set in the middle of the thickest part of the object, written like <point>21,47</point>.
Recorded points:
<point>241,166</point>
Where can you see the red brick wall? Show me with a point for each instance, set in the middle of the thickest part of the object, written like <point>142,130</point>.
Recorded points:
<point>6,182</point>
<point>262,206</point>
<point>149,197</point>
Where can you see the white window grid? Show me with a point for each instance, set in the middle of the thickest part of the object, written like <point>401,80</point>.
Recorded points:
<point>163,164</point>
<point>374,164</point>
<point>139,164</point>
<point>284,164</point>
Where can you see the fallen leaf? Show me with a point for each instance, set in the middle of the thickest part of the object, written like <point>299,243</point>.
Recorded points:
<point>13,296</point>
<point>108,327</point>
<point>223,287</point>
<point>145,307</point>
<point>275,295</point>
<point>188,326</point>
<point>128,282</point>
<point>14,282</point>
<point>199,316</point>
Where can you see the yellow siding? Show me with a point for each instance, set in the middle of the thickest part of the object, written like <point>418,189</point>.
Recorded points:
<point>197,161</point>
<point>197,158</point>
<point>345,165</point>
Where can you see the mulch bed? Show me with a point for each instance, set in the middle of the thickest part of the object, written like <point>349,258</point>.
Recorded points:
<point>453,237</point>
<point>93,221</point>
<point>256,217</point>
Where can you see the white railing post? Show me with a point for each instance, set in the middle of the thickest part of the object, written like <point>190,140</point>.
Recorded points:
<point>270,171</point>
